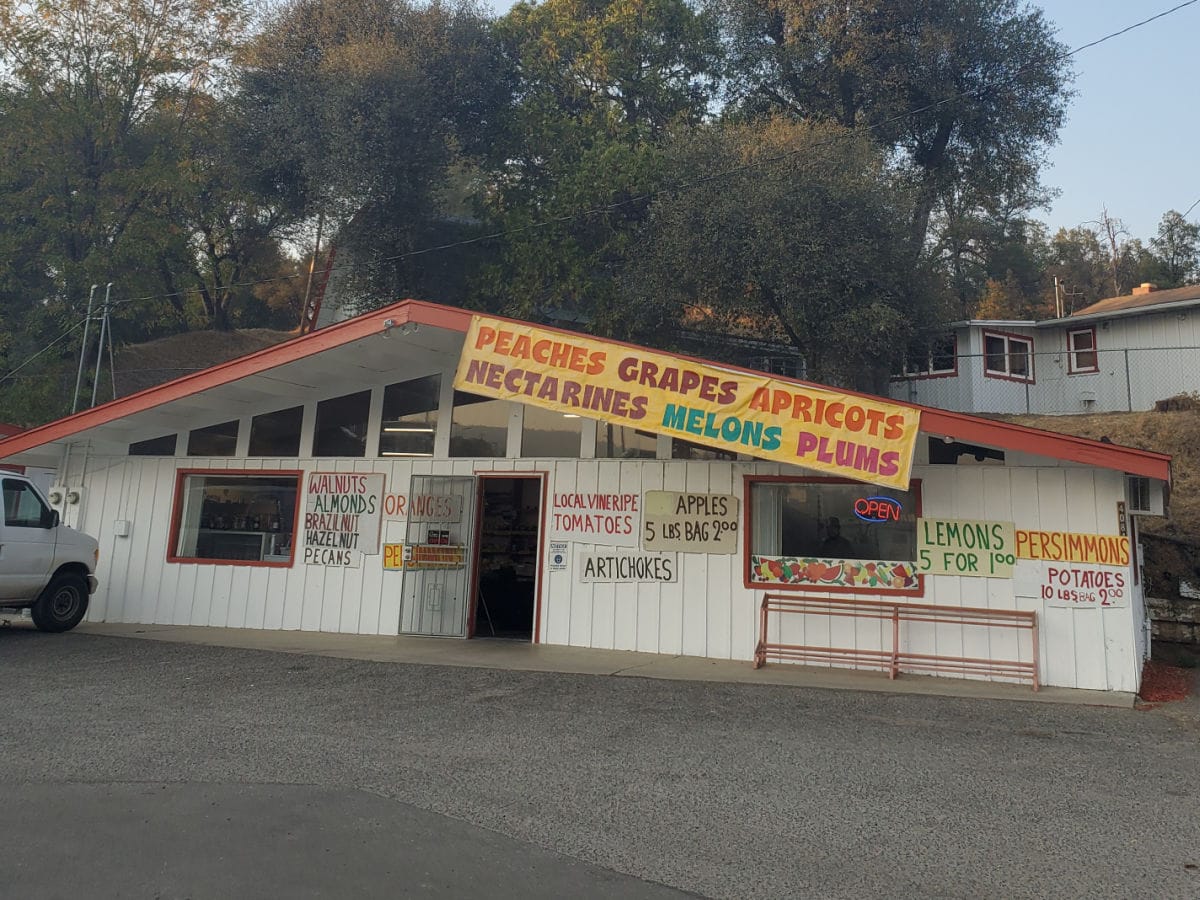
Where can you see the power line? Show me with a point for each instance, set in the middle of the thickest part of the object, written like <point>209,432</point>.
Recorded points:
<point>681,186</point>
<point>58,339</point>
<point>1190,208</point>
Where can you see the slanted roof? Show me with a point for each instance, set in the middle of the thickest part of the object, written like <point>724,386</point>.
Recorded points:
<point>1139,302</point>
<point>351,355</point>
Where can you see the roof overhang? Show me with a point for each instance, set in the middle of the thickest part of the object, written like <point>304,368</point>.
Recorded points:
<point>1149,309</point>
<point>373,348</point>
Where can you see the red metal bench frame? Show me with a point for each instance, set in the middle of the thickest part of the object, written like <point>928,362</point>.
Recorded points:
<point>894,660</point>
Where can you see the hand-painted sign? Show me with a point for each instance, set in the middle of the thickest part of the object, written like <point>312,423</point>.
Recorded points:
<point>1074,585</point>
<point>423,507</point>
<point>858,437</point>
<point>811,572</point>
<point>965,547</point>
<point>341,517</point>
<point>626,567</point>
<point>691,523</point>
<point>1067,546</point>
<point>596,518</point>
<point>422,556</point>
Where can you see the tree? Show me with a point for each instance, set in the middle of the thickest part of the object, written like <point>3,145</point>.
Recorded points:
<point>84,163</point>
<point>968,93</point>
<point>1080,263</point>
<point>361,114</point>
<point>806,244</point>
<point>599,86</point>
<point>1177,247</point>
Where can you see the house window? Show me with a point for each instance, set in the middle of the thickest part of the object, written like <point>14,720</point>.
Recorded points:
<point>410,413</point>
<point>234,517</point>
<point>342,425</point>
<point>479,426</point>
<point>215,440</point>
<point>546,433</point>
<point>1008,356</point>
<point>815,534</point>
<point>277,433</point>
<point>159,446</point>
<point>926,358</point>
<point>1081,351</point>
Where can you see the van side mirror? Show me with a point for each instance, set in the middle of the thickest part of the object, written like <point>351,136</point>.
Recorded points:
<point>50,519</point>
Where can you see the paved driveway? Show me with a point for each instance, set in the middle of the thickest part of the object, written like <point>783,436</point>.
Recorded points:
<point>182,760</point>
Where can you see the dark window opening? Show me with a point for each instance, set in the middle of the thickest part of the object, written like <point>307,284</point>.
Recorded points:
<point>236,518</point>
<point>410,414</point>
<point>341,428</point>
<point>215,440</point>
<point>277,433</point>
<point>955,452</point>
<point>159,446</point>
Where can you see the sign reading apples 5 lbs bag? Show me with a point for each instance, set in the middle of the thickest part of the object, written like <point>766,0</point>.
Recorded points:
<point>690,523</point>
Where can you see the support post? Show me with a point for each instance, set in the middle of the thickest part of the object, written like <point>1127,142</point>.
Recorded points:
<point>100,349</point>
<point>1128,385</point>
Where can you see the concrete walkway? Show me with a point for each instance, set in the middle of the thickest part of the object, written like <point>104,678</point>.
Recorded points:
<point>521,656</point>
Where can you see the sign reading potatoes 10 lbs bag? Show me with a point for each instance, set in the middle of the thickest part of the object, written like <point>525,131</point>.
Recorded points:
<point>690,523</point>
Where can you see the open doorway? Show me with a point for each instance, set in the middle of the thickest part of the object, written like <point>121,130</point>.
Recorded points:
<point>510,517</point>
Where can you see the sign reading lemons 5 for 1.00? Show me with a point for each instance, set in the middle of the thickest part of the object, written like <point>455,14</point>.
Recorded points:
<point>966,547</point>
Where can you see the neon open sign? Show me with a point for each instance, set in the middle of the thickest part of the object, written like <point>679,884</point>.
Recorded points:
<point>878,509</point>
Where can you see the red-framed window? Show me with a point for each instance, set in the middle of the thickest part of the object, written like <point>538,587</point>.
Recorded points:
<point>1082,355</point>
<point>831,535</point>
<point>932,358</point>
<point>235,517</point>
<point>1008,356</point>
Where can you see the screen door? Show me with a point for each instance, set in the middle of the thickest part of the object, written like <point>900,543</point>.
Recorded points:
<point>437,554</point>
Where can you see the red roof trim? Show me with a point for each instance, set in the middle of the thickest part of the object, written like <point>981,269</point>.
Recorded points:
<point>960,426</point>
<point>260,361</point>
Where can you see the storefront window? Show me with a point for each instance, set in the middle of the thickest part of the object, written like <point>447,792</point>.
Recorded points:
<point>623,442</point>
<point>549,434</point>
<point>410,412</point>
<point>231,517</point>
<point>342,425</point>
<point>215,440</point>
<point>479,426</point>
<point>159,446</point>
<point>681,449</point>
<point>826,535</point>
<point>277,433</point>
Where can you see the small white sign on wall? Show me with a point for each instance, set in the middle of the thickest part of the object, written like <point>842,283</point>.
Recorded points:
<point>556,559</point>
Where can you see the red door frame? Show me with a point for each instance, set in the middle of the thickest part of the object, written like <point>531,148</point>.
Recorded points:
<point>523,474</point>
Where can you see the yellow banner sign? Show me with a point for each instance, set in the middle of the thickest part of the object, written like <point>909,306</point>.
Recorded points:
<point>842,434</point>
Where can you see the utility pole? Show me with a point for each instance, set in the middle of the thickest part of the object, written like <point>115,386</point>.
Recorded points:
<point>83,350</point>
<point>100,349</point>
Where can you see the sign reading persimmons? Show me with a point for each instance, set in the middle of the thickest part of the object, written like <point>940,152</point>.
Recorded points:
<point>842,434</point>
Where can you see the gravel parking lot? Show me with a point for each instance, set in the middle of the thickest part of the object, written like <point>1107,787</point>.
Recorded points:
<point>723,790</point>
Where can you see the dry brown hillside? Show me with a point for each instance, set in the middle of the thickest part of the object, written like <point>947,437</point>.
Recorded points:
<point>1176,432</point>
<point>141,366</point>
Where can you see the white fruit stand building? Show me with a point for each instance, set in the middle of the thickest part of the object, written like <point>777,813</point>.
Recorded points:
<point>419,470</point>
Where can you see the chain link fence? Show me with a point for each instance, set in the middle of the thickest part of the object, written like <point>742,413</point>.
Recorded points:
<point>1056,383</point>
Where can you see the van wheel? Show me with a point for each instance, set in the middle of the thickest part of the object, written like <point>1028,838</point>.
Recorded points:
<point>62,604</point>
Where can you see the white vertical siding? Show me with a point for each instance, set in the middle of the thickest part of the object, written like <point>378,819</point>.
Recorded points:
<point>707,612</point>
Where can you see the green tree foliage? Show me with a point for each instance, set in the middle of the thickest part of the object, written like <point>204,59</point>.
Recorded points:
<point>967,93</point>
<point>805,243</point>
<point>599,87</point>
<point>1177,248</point>
<point>362,113</point>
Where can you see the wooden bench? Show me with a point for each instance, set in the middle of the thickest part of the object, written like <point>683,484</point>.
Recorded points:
<point>894,660</point>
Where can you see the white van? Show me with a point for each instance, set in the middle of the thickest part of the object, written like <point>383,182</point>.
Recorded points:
<point>44,565</point>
